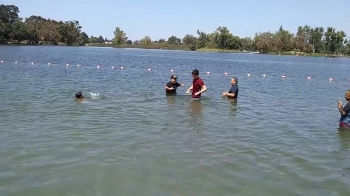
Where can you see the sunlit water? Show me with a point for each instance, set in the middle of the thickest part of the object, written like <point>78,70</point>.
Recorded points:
<point>280,138</point>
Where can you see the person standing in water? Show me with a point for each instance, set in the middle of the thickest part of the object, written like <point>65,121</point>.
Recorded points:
<point>198,86</point>
<point>345,111</point>
<point>170,87</point>
<point>233,92</point>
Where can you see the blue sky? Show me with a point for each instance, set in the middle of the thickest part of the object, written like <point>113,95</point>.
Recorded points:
<point>164,18</point>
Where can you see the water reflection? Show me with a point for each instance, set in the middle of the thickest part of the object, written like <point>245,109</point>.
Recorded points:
<point>170,99</point>
<point>344,137</point>
<point>233,107</point>
<point>195,111</point>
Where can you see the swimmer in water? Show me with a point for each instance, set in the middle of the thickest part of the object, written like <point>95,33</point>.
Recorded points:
<point>198,86</point>
<point>345,111</point>
<point>233,92</point>
<point>79,96</point>
<point>170,87</point>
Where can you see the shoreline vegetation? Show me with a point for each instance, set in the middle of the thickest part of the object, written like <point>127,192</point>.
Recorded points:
<point>308,41</point>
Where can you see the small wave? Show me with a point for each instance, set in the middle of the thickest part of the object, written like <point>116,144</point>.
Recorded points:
<point>95,95</point>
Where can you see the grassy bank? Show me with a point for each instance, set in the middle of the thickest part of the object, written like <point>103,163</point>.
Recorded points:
<point>163,46</point>
<point>304,54</point>
<point>218,50</point>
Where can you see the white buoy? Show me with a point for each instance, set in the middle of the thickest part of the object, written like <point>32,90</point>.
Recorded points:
<point>226,73</point>
<point>309,78</point>
<point>172,70</point>
<point>283,76</point>
<point>1,61</point>
<point>98,67</point>
<point>112,67</point>
<point>78,65</point>
<point>32,63</point>
<point>67,64</point>
<point>264,75</point>
<point>149,69</point>
<point>49,63</point>
<point>330,79</point>
<point>121,67</point>
<point>248,75</point>
<point>16,62</point>
<point>208,72</point>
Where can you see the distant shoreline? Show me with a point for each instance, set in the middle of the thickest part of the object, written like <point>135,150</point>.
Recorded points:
<point>161,46</point>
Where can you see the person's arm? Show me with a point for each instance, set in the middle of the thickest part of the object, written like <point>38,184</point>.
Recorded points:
<point>178,84</point>
<point>231,95</point>
<point>233,89</point>
<point>167,87</point>
<point>189,89</point>
<point>203,88</point>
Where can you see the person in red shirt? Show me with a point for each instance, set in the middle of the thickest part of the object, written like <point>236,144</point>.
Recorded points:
<point>198,86</point>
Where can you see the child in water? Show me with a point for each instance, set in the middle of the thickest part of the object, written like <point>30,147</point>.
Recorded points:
<point>79,96</point>
<point>345,111</point>
<point>170,87</point>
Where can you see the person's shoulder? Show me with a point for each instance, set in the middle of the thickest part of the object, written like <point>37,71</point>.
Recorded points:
<point>169,84</point>
<point>348,104</point>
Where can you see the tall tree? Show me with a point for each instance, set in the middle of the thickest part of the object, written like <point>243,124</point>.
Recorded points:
<point>190,41</point>
<point>119,36</point>
<point>70,31</point>
<point>8,16</point>
<point>174,40</point>
<point>146,41</point>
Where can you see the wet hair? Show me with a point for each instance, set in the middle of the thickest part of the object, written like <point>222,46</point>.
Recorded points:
<point>195,72</point>
<point>236,80</point>
<point>79,95</point>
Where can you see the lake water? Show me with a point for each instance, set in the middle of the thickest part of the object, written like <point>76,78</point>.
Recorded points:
<point>281,137</point>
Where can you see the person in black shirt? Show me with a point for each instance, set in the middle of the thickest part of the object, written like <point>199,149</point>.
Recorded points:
<point>233,93</point>
<point>345,111</point>
<point>170,87</point>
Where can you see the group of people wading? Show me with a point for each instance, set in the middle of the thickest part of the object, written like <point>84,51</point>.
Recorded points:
<point>198,86</point>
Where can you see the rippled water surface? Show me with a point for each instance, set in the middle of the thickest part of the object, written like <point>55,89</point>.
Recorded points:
<point>281,137</point>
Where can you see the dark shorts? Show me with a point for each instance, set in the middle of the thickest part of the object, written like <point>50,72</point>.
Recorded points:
<point>343,125</point>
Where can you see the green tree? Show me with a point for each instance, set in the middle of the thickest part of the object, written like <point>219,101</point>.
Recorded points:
<point>69,31</point>
<point>247,44</point>
<point>174,40</point>
<point>100,39</point>
<point>129,42</point>
<point>82,39</point>
<point>146,41</point>
<point>202,39</point>
<point>119,36</point>
<point>190,41</point>
<point>19,31</point>
<point>8,16</point>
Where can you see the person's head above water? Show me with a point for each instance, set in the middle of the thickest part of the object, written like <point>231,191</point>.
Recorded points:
<point>234,81</point>
<point>195,73</point>
<point>79,95</point>
<point>173,78</point>
<point>347,95</point>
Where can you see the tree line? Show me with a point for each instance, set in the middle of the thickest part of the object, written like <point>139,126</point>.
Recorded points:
<point>37,30</point>
<point>306,40</point>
